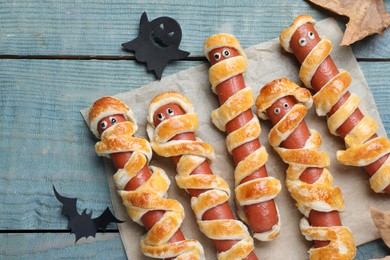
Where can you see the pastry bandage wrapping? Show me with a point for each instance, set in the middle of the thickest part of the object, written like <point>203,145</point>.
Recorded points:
<point>320,195</point>
<point>150,195</point>
<point>247,193</point>
<point>194,153</point>
<point>360,152</point>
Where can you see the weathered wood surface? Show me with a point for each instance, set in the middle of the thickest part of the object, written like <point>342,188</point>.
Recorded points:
<point>99,27</point>
<point>60,246</point>
<point>104,246</point>
<point>45,142</point>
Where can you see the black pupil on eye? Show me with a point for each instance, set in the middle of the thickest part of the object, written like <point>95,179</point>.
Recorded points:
<point>226,53</point>
<point>160,116</point>
<point>216,56</point>
<point>302,40</point>
<point>311,33</point>
<point>285,105</point>
<point>113,120</point>
<point>170,111</point>
<point>103,125</point>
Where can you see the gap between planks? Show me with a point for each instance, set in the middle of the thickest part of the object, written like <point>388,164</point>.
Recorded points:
<point>112,57</point>
<point>34,231</point>
<point>85,57</point>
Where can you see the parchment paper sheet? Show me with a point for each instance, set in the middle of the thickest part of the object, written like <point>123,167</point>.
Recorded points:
<point>267,62</point>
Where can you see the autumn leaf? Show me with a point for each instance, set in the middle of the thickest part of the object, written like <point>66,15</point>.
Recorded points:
<point>382,222</point>
<point>366,17</point>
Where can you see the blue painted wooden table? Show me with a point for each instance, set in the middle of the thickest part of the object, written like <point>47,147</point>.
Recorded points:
<point>57,57</point>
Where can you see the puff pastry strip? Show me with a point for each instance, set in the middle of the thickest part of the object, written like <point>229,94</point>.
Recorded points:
<point>193,154</point>
<point>247,192</point>
<point>320,195</point>
<point>329,94</point>
<point>151,194</point>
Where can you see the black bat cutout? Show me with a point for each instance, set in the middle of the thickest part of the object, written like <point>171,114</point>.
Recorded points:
<point>157,44</point>
<point>82,225</point>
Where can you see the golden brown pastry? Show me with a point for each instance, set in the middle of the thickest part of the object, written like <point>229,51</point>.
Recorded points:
<point>308,179</point>
<point>117,122</point>
<point>318,71</point>
<point>255,190</point>
<point>171,128</point>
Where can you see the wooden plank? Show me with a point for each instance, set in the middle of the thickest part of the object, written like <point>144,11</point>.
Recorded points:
<point>104,246</point>
<point>99,27</point>
<point>44,140</point>
<point>373,250</point>
<point>61,246</point>
<point>378,78</point>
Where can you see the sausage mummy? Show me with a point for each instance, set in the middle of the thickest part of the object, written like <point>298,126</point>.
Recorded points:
<point>172,123</point>
<point>141,187</point>
<point>318,71</point>
<point>308,181</point>
<point>255,190</point>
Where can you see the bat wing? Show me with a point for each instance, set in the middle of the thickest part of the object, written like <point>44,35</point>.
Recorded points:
<point>104,219</point>
<point>82,225</point>
<point>68,205</point>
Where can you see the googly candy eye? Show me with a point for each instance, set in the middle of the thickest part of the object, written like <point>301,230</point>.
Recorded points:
<point>302,42</point>
<point>277,110</point>
<point>103,125</point>
<point>160,116</point>
<point>310,35</point>
<point>285,105</point>
<point>217,56</point>
<point>112,119</point>
<point>170,111</point>
<point>226,53</point>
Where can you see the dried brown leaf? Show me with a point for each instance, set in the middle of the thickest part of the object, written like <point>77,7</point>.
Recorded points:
<point>384,258</point>
<point>366,17</point>
<point>382,222</point>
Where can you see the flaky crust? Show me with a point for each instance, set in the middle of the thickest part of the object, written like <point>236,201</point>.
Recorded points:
<point>313,60</point>
<point>226,69</point>
<point>222,40</point>
<point>281,87</point>
<point>359,152</point>
<point>286,35</point>
<point>107,106</point>
<point>247,193</point>
<point>320,195</point>
<point>329,94</point>
<point>194,153</point>
<point>150,195</point>
<point>341,246</point>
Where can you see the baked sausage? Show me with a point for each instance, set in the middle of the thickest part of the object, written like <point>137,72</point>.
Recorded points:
<point>255,190</point>
<point>113,122</point>
<point>171,128</point>
<point>308,180</point>
<point>318,71</point>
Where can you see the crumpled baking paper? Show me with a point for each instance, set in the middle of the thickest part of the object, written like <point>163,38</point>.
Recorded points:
<point>266,62</point>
